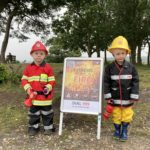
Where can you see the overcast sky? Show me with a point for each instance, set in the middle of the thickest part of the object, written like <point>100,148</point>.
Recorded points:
<point>21,50</point>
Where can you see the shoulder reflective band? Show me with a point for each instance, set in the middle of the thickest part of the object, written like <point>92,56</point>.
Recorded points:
<point>42,78</point>
<point>51,78</point>
<point>37,78</point>
<point>116,77</point>
<point>24,77</point>
<point>33,78</point>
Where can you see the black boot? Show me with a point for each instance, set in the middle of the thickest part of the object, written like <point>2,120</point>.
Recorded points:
<point>50,131</point>
<point>33,131</point>
<point>124,135</point>
<point>117,131</point>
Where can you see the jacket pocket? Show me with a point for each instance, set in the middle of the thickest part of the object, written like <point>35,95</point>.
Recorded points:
<point>126,93</point>
<point>115,93</point>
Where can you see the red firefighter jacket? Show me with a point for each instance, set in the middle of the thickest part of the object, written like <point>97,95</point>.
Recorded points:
<point>37,78</point>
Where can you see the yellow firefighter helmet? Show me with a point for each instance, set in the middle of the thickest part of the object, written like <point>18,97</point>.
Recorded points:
<point>119,42</point>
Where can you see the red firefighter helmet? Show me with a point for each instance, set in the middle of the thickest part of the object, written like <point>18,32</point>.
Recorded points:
<point>38,46</point>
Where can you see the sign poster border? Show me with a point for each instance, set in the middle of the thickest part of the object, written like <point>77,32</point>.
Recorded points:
<point>100,87</point>
<point>97,103</point>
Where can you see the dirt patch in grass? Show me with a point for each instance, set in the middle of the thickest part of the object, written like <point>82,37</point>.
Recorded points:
<point>79,131</point>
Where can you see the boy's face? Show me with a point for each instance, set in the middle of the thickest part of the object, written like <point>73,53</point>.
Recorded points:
<point>119,54</point>
<point>38,56</point>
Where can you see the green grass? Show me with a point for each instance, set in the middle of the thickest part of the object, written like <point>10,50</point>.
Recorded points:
<point>144,76</point>
<point>11,117</point>
<point>13,113</point>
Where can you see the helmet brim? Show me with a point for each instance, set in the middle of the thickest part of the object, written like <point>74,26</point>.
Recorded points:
<point>111,49</point>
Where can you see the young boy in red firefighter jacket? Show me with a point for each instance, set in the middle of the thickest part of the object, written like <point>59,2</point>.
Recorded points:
<point>121,87</point>
<point>38,77</point>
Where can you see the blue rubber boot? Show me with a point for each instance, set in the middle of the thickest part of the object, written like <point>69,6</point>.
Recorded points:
<point>124,135</point>
<point>117,131</point>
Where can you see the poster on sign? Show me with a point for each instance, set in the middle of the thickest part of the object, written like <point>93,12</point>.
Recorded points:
<point>82,86</point>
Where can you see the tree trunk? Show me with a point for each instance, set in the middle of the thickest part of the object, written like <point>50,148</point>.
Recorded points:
<point>148,56</point>
<point>133,54</point>
<point>139,59</point>
<point>89,47</point>
<point>105,53</point>
<point>98,52</point>
<point>6,37</point>
<point>130,58</point>
<point>89,53</point>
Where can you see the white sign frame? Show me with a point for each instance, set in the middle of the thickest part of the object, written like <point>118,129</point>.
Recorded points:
<point>92,104</point>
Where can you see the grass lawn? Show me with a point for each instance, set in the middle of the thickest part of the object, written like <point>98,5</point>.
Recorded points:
<point>12,112</point>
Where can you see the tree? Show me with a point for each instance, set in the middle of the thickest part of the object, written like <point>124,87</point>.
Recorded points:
<point>3,4</point>
<point>147,42</point>
<point>85,26</point>
<point>58,51</point>
<point>148,56</point>
<point>30,16</point>
<point>90,26</point>
<point>131,19</point>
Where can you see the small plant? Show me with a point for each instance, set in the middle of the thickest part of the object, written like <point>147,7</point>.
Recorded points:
<point>4,73</point>
<point>15,73</point>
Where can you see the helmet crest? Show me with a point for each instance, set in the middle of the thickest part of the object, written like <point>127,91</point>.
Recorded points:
<point>38,46</point>
<point>119,42</point>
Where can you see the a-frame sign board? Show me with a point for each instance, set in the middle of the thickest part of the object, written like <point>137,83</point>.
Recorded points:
<point>82,88</point>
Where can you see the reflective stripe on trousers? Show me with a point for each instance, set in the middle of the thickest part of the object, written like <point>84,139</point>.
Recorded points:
<point>34,126</point>
<point>44,112</point>
<point>48,127</point>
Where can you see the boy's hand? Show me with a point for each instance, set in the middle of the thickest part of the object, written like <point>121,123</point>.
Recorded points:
<point>134,101</point>
<point>46,91</point>
<point>29,91</point>
<point>110,101</point>
<point>33,95</point>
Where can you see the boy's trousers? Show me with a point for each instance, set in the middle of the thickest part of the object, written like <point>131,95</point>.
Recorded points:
<point>44,112</point>
<point>122,114</point>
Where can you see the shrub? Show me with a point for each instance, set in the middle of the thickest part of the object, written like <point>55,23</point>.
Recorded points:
<point>15,73</point>
<point>4,73</point>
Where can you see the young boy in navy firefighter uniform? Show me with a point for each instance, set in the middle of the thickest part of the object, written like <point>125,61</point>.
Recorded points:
<point>121,87</point>
<point>38,78</point>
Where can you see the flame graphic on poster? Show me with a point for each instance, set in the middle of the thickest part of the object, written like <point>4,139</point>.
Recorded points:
<point>82,80</point>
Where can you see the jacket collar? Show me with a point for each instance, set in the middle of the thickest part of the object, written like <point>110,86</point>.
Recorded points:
<point>124,65</point>
<point>41,65</point>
